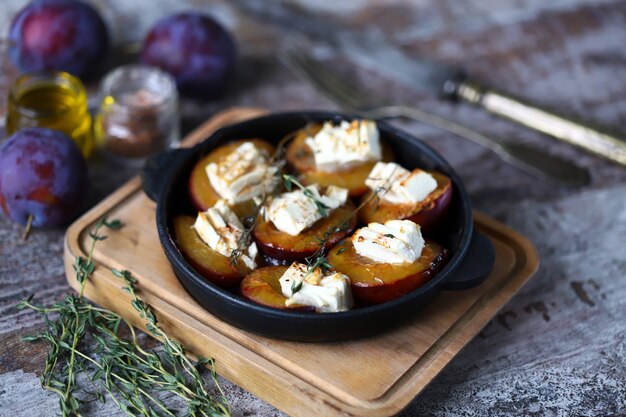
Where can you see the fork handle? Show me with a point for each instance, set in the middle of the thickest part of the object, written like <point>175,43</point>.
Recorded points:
<point>528,158</point>
<point>574,132</point>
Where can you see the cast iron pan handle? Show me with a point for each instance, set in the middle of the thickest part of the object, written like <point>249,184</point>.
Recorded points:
<point>156,169</point>
<point>476,265</point>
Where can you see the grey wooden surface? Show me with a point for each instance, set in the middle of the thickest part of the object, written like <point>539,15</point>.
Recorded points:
<point>558,348</point>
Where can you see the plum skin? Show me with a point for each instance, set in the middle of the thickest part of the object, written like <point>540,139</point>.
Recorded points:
<point>64,35</point>
<point>43,175</point>
<point>429,213</point>
<point>282,247</point>
<point>376,283</point>
<point>195,49</point>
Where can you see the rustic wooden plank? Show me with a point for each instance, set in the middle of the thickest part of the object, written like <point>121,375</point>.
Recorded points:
<point>558,347</point>
<point>565,53</point>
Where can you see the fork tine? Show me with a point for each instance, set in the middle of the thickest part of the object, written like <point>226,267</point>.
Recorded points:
<point>340,87</point>
<point>298,62</point>
<point>346,93</point>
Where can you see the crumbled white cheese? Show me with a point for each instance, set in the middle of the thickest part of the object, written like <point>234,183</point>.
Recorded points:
<point>242,174</point>
<point>327,293</point>
<point>397,185</point>
<point>345,145</point>
<point>395,242</point>
<point>220,228</point>
<point>292,212</point>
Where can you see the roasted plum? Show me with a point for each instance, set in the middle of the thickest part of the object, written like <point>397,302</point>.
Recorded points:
<point>428,213</point>
<point>375,283</point>
<point>300,157</point>
<point>263,287</point>
<point>202,194</point>
<point>64,35</point>
<point>214,266</point>
<point>285,247</point>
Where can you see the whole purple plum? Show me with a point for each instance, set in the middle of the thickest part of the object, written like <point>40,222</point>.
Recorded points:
<point>64,35</point>
<point>43,175</point>
<point>195,49</point>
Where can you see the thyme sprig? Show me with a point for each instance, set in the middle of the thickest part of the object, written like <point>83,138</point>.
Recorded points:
<point>117,368</point>
<point>381,190</point>
<point>249,222</point>
<point>278,162</point>
<point>319,257</point>
<point>289,181</point>
<point>320,262</point>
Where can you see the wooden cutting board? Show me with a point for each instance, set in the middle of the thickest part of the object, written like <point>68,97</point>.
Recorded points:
<point>377,376</point>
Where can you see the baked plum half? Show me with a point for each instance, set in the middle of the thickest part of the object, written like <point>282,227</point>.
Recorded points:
<point>428,213</point>
<point>263,287</point>
<point>202,194</point>
<point>300,158</point>
<point>374,283</point>
<point>211,264</point>
<point>285,247</point>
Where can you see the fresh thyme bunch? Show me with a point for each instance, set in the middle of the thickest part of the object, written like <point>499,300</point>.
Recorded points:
<point>117,368</point>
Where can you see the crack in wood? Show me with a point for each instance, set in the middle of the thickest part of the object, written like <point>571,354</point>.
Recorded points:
<point>539,307</point>
<point>581,293</point>
<point>503,318</point>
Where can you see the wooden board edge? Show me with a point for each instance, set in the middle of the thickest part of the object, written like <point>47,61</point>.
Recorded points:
<point>408,386</point>
<point>402,392</point>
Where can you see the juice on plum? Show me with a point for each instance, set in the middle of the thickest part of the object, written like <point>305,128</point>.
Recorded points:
<point>54,100</point>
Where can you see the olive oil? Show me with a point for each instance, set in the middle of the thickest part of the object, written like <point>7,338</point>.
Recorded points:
<point>55,100</point>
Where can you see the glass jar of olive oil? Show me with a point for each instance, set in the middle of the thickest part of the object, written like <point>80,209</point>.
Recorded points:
<point>56,100</point>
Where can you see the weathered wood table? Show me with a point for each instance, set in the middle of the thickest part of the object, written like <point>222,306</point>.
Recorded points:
<point>558,348</point>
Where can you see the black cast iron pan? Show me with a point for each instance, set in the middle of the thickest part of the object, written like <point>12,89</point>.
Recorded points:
<point>471,254</point>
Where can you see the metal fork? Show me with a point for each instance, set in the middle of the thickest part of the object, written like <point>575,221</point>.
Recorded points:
<point>351,96</point>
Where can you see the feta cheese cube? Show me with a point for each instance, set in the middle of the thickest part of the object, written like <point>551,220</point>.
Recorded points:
<point>292,212</point>
<point>242,175</point>
<point>395,242</point>
<point>397,185</point>
<point>327,293</point>
<point>220,228</point>
<point>345,145</point>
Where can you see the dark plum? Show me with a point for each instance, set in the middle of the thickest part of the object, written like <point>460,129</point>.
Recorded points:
<point>64,35</point>
<point>195,49</point>
<point>43,175</point>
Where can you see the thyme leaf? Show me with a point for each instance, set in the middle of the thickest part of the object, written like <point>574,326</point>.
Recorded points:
<point>295,287</point>
<point>289,181</point>
<point>320,262</point>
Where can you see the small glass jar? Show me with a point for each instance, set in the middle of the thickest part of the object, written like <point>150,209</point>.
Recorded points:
<point>138,115</point>
<point>56,100</point>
